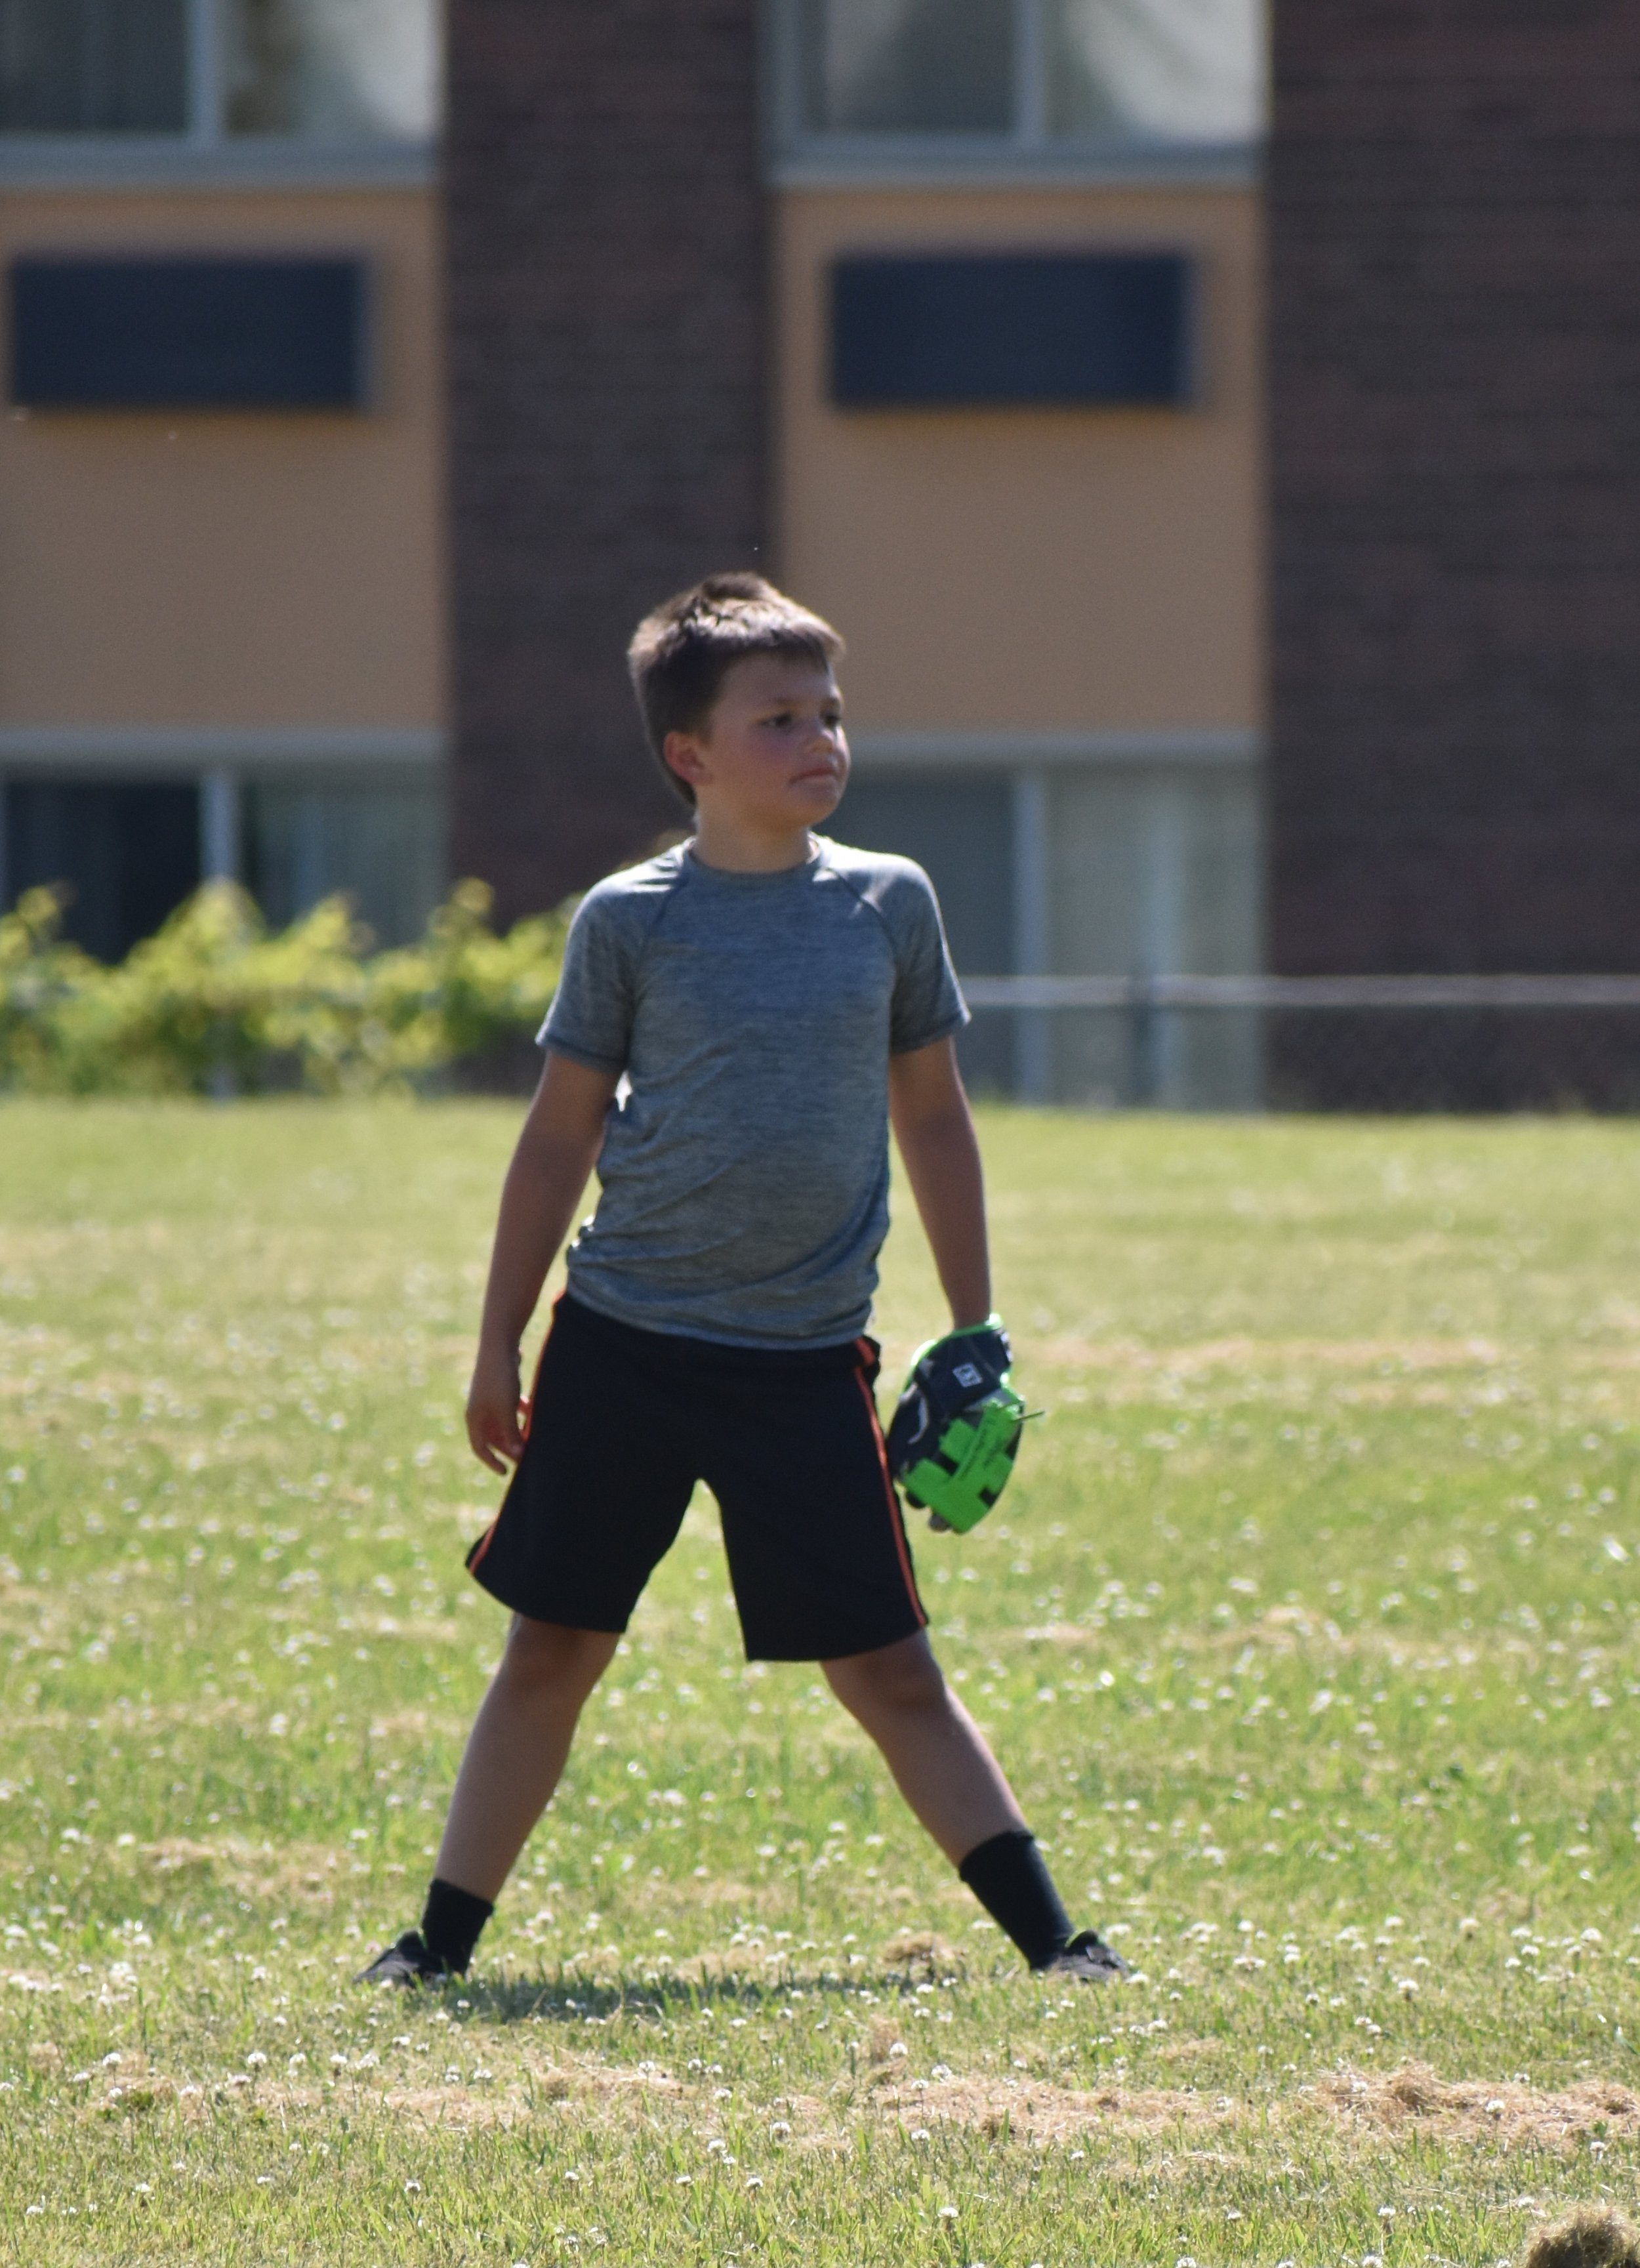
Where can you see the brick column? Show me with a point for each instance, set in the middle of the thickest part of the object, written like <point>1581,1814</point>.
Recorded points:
<point>1455,400</point>
<point>607,313</point>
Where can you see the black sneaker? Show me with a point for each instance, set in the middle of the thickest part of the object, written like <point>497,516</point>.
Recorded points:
<point>406,1962</point>
<point>1088,1957</point>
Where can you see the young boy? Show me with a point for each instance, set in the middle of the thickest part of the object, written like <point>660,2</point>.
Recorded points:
<point>737,1022</point>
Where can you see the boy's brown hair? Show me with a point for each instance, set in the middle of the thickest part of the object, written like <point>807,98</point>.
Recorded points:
<point>681,652</point>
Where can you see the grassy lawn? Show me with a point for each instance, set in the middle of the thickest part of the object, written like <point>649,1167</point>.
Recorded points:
<point>1308,1633</point>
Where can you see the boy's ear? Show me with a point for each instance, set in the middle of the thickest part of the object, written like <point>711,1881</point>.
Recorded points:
<point>681,752</point>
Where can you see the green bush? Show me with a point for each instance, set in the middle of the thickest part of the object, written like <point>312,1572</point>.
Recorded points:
<point>216,1003</point>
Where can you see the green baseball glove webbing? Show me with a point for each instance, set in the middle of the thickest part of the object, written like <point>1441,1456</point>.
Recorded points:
<point>956,1430</point>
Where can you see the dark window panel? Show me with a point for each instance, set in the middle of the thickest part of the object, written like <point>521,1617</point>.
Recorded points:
<point>126,851</point>
<point>1109,330</point>
<point>93,66</point>
<point>133,334</point>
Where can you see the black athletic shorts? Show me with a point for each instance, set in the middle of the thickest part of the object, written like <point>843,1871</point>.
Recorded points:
<point>622,1424</point>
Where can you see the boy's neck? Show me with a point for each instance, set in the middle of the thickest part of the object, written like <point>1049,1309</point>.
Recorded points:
<point>735,847</point>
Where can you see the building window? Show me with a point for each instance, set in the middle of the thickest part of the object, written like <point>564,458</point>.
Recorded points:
<point>1027,73</point>
<point>122,853</point>
<point>1181,71</point>
<point>334,70</point>
<point>381,844</point>
<point>333,73</point>
<point>93,66</point>
<point>910,66</point>
<point>1132,865</point>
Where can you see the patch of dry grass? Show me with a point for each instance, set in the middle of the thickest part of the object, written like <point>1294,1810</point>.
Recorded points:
<point>1590,2236</point>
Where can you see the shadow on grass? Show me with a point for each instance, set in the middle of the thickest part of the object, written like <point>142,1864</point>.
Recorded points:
<point>570,1999</point>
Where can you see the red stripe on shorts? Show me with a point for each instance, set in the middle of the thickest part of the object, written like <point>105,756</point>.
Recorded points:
<point>488,1537</point>
<point>894,1520</point>
<point>535,1383</point>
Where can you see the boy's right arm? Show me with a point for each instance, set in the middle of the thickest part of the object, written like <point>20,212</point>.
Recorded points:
<point>555,1153</point>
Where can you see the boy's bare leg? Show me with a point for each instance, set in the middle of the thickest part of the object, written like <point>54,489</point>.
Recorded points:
<point>516,1749</point>
<point>934,1751</point>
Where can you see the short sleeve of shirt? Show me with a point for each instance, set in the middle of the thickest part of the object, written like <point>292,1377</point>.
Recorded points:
<point>591,1017</point>
<point>927,1004</point>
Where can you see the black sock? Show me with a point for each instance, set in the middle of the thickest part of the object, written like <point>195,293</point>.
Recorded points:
<point>450,1922</point>
<point>1010,1878</point>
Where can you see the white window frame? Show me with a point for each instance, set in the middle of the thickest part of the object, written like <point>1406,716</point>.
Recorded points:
<point>801,157</point>
<point>203,153</point>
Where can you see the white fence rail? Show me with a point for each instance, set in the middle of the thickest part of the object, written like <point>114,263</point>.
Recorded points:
<point>1288,992</point>
<point>1368,1043</point>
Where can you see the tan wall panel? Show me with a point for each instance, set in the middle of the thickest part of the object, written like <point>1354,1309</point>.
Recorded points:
<point>1038,570</point>
<point>211,570</point>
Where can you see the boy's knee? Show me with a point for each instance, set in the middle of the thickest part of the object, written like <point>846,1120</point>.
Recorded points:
<point>893,1680</point>
<point>552,1654</point>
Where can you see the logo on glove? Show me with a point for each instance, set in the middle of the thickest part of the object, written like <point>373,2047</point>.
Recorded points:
<point>956,1429</point>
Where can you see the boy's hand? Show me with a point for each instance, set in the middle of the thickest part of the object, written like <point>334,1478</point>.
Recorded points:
<point>493,1408</point>
<point>950,1376</point>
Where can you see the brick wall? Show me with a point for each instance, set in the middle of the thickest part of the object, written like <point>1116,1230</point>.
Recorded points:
<point>1455,402</point>
<point>606,305</point>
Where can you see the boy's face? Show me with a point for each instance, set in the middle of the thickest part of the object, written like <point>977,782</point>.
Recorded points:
<point>771,756</point>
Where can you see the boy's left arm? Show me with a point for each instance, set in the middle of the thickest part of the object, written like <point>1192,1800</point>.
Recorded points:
<point>935,1131</point>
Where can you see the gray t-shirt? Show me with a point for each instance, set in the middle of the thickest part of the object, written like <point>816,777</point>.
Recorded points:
<point>744,1176</point>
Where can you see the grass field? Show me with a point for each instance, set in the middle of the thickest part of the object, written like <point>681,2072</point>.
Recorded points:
<point>1308,1633</point>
